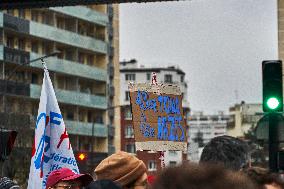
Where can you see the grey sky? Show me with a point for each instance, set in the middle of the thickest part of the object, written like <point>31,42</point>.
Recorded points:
<point>218,43</point>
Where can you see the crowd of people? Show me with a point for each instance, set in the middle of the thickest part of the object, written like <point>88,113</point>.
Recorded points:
<point>224,164</point>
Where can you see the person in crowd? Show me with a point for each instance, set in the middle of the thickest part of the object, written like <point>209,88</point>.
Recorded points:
<point>228,151</point>
<point>65,178</point>
<point>103,184</point>
<point>202,176</point>
<point>6,183</point>
<point>263,178</point>
<point>124,169</point>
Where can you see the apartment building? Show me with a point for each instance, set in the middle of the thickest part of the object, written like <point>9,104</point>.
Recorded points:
<point>85,75</point>
<point>243,117</point>
<point>131,72</point>
<point>202,128</point>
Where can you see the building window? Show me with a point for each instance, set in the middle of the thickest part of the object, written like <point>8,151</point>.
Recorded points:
<point>21,44</point>
<point>10,42</point>
<point>130,148</point>
<point>172,153</point>
<point>129,132</point>
<point>127,114</point>
<point>152,165</point>
<point>34,78</point>
<point>99,119</point>
<point>130,77</point>
<point>70,115</point>
<point>10,11</point>
<point>35,47</point>
<point>127,95</point>
<point>22,13</point>
<point>172,163</point>
<point>34,16</point>
<point>182,78</point>
<point>148,76</point>
<point>168,78</point>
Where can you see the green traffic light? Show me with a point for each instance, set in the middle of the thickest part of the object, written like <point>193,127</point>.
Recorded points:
<point>272,103</point>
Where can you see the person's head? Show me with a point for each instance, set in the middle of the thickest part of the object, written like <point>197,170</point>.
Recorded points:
<point>230,152</point>
<point>6,183</point>
<point>65,178</point>
<point>103,184</point>
<point>201,176</point>
<point>263,178</point>
<point>124,169</point>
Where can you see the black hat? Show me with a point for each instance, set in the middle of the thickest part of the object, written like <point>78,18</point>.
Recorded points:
<point>103,184</point>
<point>6,183</point>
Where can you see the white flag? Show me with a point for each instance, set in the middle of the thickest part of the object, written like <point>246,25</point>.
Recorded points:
<point>51,148</point>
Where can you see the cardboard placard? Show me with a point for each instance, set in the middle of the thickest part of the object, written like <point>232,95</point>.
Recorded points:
<point>157,117</point>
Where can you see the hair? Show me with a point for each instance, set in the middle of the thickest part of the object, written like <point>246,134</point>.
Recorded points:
<point>205,176</point>
<point>228,151</point>
<point>6,183</point>
<point>261,177</point>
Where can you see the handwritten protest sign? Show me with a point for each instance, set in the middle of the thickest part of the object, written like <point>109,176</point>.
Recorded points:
<point>157,116</point>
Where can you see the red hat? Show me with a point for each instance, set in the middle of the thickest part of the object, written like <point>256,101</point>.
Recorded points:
<point>65,174</point>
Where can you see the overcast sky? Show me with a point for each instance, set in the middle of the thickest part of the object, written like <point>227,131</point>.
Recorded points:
<point>218,43</point>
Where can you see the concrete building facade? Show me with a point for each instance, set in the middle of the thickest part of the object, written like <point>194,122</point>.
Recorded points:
<point>131,72</point>
<point>85,74</point>
<point>242,118</point>
<point>202,128</point>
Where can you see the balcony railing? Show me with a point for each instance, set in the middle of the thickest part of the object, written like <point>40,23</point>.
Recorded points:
<point>67,37</point>
<point>84,13</point>
<point>54,64</point>
<point>82,128</point>
<point>72,97</point>
<point>72,68</point>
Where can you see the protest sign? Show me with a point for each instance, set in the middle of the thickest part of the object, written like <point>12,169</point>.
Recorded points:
<point>157,116</point>
<point>51,148</point>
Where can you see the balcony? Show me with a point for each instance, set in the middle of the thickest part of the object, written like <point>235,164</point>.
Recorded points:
<point>54,64</point>
<point>73,97</point>
<point>14,23</point>
<point>82,128</point>
<point>83,13</point>
<point>14,88</point>
<point>72,68</point>
<point>67,37</point>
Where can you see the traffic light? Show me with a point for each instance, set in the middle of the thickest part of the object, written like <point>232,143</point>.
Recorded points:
<point>82,156</point>
<point>7,139</point>
<point>272,86</point>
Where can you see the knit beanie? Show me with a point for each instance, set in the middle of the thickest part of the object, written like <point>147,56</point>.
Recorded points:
<point>6,183</point>
<point>121,167</point>
<point>103,184</point>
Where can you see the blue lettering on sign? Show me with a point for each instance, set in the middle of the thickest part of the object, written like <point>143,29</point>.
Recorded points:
<point>169,126</point>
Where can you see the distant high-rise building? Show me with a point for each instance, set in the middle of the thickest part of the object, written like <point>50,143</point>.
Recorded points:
<point>202,128</point>
<point>85,76</point>
<point>130,71</point>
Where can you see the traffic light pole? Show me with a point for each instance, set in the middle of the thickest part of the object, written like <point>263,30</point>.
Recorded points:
<point>273,142</point>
